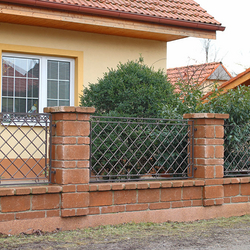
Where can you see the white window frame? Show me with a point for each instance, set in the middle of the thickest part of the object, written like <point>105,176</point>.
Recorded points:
<point>42,98</point>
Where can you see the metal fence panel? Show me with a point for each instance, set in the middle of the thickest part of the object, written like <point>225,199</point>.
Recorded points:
<point>237,150</point>
<point>124,149</point>
<point>25,146</point>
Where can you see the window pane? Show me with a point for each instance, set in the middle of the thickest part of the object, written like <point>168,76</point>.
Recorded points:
<point>20,105</point>
<point>51,103</point>
<point>52,91</point>
<point>52,70</point>
<point>7,104</point>
<point>21,67</point>
<point>33,66</point>
<point>64,68</point>
<point>33,105</point>
<point>33,88</point>
<point>8,66</point>
<point>64,90</point>
<point>63,103</point>
<point>7,86</point>
<point>20,87</point>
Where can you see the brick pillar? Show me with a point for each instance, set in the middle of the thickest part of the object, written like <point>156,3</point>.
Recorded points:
<point>209,154</point>
<point>70,156</point>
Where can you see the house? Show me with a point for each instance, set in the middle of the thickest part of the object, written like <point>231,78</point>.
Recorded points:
<point>242,79</point>
<point>73,42</point>
<point>51,49</point>
<point>203,75</point>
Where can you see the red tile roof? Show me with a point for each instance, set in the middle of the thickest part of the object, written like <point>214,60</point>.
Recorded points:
<point>235,78</point>
<point>244,79</point>
<point>194,73</point>
<point>160,11</point>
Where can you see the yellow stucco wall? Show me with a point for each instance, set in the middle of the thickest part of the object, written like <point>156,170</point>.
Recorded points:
<point>94,52</point>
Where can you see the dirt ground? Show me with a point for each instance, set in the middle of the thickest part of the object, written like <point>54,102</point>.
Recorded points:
<point>230,233</point>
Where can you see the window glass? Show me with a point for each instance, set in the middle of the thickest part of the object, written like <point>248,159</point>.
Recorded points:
<point>58,78</point>
<point>7,104</point>
<point>20,80</point>
<point>52,103</point>
<point>52,90</point>
<point>8,86</point>
<point>52,70</point>
<point>64,90</point>
<point>64,69</point>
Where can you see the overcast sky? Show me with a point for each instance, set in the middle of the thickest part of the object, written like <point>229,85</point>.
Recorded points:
<point>231,47</point>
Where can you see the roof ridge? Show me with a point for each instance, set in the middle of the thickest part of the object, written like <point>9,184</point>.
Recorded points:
<point>199,73</point>
<point>195,65</point>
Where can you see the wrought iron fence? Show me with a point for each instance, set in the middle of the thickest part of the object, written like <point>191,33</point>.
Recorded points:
<point>124,149</point>
<point>237,150</point>
<point>25,141</point>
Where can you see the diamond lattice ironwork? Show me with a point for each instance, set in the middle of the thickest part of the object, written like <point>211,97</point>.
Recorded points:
<point>133,148</point>
<point>237,150</point>
<point>24,148</point>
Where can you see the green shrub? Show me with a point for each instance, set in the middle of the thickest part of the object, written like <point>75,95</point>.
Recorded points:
<point>236,103</point>
<point>133,89</point>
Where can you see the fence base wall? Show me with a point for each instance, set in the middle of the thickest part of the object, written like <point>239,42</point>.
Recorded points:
<point>25,209</point>
<point>157,216</point>
<point>71,202</point>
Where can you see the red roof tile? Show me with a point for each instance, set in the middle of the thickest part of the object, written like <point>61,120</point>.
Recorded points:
<point>194,73</point>
<point>175,10</point>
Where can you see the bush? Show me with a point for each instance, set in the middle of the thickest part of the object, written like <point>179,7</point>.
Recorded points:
<point>133,89</point>
<point>236,103</point>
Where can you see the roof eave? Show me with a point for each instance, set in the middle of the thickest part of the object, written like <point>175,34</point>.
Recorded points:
<point>119,14</point>
<point>229,84</point>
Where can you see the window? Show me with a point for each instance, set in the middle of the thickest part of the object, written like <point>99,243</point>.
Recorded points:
<point>30,83</point>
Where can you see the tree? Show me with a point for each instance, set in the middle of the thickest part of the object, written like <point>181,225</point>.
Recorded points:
<point>206,47</point>
<point>211,52</point>
<point>133,89</point>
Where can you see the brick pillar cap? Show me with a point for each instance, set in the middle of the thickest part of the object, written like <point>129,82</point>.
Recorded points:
<point>69,109</point>
<point>205,115</point>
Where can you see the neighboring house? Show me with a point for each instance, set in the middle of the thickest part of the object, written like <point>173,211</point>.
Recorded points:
<point>242,79</point>
<point>203,75</point>
<point>73,42</point>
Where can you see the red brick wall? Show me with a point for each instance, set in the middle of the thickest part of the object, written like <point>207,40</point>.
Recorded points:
<point>21,203</point>
<point>53,204</point>
<point>72,202</point>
